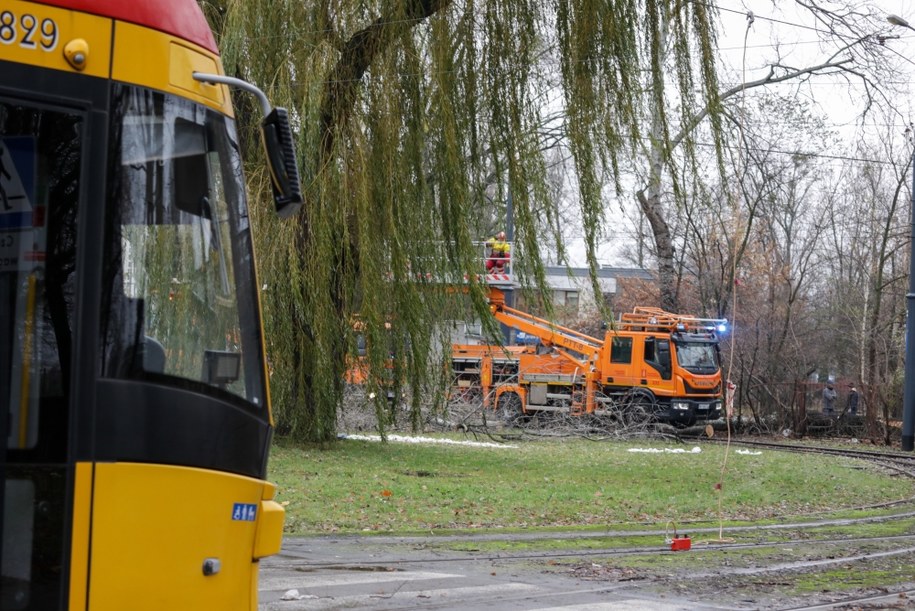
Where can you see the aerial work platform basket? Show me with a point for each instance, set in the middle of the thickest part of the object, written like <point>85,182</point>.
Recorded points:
<point>497,271</point>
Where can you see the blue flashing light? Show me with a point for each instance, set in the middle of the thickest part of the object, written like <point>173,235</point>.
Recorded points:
<point>722,327</point>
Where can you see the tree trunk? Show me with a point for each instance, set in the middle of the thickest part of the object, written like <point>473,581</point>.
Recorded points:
<point>664,246</point>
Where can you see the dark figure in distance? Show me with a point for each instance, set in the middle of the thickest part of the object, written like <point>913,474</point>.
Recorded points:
<point>829,399</point>
<point>853,400</point>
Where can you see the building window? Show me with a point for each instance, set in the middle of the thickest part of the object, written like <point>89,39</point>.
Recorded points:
<point>572,300</point>
<point>566,299</point>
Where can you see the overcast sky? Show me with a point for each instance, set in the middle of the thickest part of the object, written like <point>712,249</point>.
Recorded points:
<point>797,37</point>
<point>779,29</point>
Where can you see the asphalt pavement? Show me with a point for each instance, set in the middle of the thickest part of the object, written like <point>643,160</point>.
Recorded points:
<point>399,573</point>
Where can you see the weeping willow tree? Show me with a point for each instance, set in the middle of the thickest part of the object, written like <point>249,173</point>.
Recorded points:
<point>416,120</point>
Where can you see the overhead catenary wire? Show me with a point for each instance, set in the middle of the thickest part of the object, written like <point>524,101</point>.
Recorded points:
<point>725,9</point>
<point>759,149</point>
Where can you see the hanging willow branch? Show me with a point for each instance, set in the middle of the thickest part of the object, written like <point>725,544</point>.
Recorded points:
<point>357,54</point>
<point>417,121</point>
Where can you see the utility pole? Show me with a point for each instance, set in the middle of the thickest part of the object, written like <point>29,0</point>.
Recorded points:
<point>908,397</point>
<point>508,332</point>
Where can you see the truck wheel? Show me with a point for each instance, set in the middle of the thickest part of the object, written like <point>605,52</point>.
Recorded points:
<point>638,408</point>
<point>509,409</point>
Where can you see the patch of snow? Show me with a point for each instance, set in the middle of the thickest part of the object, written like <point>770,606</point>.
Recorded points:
<point>695,450</point>
<point>407,439</point>
<point>749,452</point>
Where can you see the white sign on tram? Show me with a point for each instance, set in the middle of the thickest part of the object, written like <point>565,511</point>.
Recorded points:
<point>17,198</point>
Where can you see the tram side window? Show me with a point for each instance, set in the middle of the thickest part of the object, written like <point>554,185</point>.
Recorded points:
<point>176,220</point>
<point>40,169</point>
<point>39,192</point>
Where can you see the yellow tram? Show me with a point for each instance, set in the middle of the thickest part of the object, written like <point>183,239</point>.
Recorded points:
<point>134,405</point>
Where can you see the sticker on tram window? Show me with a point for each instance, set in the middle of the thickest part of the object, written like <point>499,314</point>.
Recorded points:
<point>28,31</point>
<point>22,237</point>
<point>244,512</point>
<point>17,179</point>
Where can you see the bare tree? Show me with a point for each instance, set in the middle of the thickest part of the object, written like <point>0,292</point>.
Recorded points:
<point>868,246</point>
<point>857,56</point>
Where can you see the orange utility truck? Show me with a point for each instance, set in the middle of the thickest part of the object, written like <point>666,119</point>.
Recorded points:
<point>650,363</point>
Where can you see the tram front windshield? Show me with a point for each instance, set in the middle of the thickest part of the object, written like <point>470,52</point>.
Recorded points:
<point>180,307</point>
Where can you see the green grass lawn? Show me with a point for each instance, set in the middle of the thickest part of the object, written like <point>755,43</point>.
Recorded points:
<point>359,486</point>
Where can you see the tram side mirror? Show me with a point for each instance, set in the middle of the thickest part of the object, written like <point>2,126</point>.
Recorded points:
<point>276,135</point>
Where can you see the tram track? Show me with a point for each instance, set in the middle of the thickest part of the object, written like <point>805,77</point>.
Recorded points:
<point>470,556</point>
<point>908,460</point>
<point>893,599</point>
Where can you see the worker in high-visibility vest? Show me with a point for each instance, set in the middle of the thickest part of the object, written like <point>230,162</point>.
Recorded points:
<point>499,254</point>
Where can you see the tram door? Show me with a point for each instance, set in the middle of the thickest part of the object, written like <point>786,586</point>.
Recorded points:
<point>40,185</point>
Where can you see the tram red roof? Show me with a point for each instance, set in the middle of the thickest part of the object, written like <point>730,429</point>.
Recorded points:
<point>181,18</point>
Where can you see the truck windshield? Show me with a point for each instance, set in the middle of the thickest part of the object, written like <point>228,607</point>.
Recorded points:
<point>181,307</point>
<point>697,357</point>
